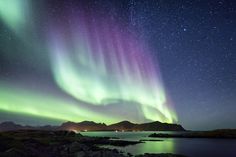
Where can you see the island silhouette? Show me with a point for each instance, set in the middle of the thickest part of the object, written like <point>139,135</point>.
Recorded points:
<point>93,126</point>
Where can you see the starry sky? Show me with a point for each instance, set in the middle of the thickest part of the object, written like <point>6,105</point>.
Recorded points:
<point>106,60</point>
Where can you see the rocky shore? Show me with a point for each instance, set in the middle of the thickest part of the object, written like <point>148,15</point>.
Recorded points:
<point>37,143</point>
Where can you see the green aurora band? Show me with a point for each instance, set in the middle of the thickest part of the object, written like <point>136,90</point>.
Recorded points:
<point>19,100</point>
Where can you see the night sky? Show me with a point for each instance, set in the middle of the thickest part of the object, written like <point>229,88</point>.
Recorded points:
<point>102,60</point>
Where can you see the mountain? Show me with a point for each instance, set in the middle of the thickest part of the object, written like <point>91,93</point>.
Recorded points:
<point>92,126</point>
<point>123,125</point>
<point>82,126</point>
<point>153,126</point>
<point>6,126</point>
<point>158,126</point>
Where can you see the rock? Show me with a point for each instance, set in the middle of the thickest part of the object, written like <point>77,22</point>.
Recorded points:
<point>80,154</point>
<point>224,133</point>
<point>38,143</point>
<point>143,140</point>
<point>14,152</point>
<point>76,147</point>
<point>160,155</point>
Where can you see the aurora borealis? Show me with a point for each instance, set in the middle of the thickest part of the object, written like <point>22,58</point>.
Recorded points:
<point>101,65</point>
<point>108,61</point>
<point>94,61</point>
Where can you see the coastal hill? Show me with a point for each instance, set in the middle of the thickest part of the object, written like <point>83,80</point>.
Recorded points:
<point>82,126</point>
<point>152,126</point>
<point>124,125</point>
<point>92,126</point>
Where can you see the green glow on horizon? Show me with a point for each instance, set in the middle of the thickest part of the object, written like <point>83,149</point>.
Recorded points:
<point>18,100</point>
<point>90,90</point>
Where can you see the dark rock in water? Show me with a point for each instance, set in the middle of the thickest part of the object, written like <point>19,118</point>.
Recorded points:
<point>223,133</point>
<point>142,140</point>
<point>160,155</point>
<point>102,153</point>
<point>106,141</point>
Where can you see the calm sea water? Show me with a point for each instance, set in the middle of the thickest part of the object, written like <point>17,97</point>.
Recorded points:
<point>202,147</point>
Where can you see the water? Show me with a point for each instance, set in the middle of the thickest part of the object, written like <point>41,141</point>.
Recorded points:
<point>195,147</point>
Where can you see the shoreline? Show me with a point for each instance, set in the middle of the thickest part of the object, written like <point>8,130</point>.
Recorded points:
<point>63,144</point>
<point>214,134</point>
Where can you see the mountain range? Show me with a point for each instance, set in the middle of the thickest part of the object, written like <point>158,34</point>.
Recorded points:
<point>92,126</point>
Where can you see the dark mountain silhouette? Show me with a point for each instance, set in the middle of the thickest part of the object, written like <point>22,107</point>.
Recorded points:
<point>158,126</point>
<point>123,125</point>
<point>85,125</point>
<point>6,126</point>
<point>92,126</point>
<point>153,126</point>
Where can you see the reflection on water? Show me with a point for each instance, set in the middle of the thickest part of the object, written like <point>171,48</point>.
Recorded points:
<point>190,147</point>
<point>166,146</point>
